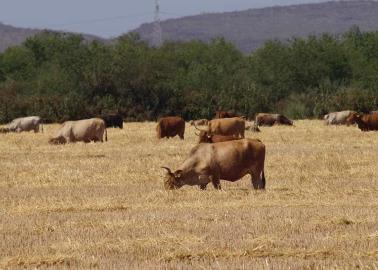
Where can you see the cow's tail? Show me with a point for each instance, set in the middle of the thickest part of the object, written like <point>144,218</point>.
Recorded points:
<point>263,180</point>
<point>106,134</point>
<point>41,126</point>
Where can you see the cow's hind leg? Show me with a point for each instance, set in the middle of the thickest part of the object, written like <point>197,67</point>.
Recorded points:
<point>258,179</point>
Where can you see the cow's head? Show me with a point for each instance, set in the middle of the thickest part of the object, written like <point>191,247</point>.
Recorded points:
<point>4,130</point>
<point>173,180</point>
<point>352,118</point>
<point>203,135</point>
<point>58,140</point>
<point>284,120</point>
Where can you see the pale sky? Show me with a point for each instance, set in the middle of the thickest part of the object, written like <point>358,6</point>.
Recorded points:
<point>113,17</point>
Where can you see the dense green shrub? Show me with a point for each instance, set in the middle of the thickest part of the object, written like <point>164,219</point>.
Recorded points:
<point>61,76</point>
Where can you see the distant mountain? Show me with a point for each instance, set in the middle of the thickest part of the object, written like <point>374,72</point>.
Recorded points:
<point>10,36</point>
<point>250,29</point>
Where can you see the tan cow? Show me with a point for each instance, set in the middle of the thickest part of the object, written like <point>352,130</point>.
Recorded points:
<point>228,161</point>
<point>86,130</point>
<point>227,126</point>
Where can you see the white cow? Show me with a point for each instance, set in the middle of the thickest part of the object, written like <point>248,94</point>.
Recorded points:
<point>25,124</point>
<point>337,118</point>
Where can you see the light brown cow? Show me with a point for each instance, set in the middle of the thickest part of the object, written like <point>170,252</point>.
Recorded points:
<point>228,161</point>
<point>226,126</point>
<point>365,122</point>
<point>86,130</point>
<point>170,127</point>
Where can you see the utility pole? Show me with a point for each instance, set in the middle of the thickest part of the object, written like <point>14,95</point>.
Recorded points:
<point>157,35</point>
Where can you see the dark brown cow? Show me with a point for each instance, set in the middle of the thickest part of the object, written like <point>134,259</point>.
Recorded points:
<point>268,119</point>
<point>365,122</point>
<point>228,161</point>
<point>113,120</point>
<point>170,127</point>
<point>224,114</point>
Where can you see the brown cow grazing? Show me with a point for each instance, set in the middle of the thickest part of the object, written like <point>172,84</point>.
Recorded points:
<point>227,126</point>
<point>365,122</point>
<point>199,122</point>
<point>224,114</point>
<point>228,161</point>
<point>268,119</point>
<point>86,130</point>
<point>170,127</point>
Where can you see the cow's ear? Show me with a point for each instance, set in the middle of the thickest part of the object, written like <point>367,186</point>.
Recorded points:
<point>178,173</point>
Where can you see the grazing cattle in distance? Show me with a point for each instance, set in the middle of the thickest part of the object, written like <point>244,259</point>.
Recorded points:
<point>228,161</point>
<point>113,120</point>
<point>224,114</point>
<point>25,124</point>
<point>86,130</point>
<point>268,119</point>
<point>373,112</point>
<point>170,127</point>
<point>199,122</point>
<point>365,122</point>
<point>338,118</point>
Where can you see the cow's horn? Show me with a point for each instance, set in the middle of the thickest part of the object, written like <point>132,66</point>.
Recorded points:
<point>168,170</point>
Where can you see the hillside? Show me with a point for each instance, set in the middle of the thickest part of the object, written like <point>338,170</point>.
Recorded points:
<point>249,29</point>
<point>11,36</point>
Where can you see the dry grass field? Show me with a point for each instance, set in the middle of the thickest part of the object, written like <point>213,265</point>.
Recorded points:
<point>103,205</point>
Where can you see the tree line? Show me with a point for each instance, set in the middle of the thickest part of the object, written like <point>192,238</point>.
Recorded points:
<point>61,76</point>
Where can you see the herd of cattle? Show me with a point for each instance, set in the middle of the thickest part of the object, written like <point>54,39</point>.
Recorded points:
<point>221,154</point>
